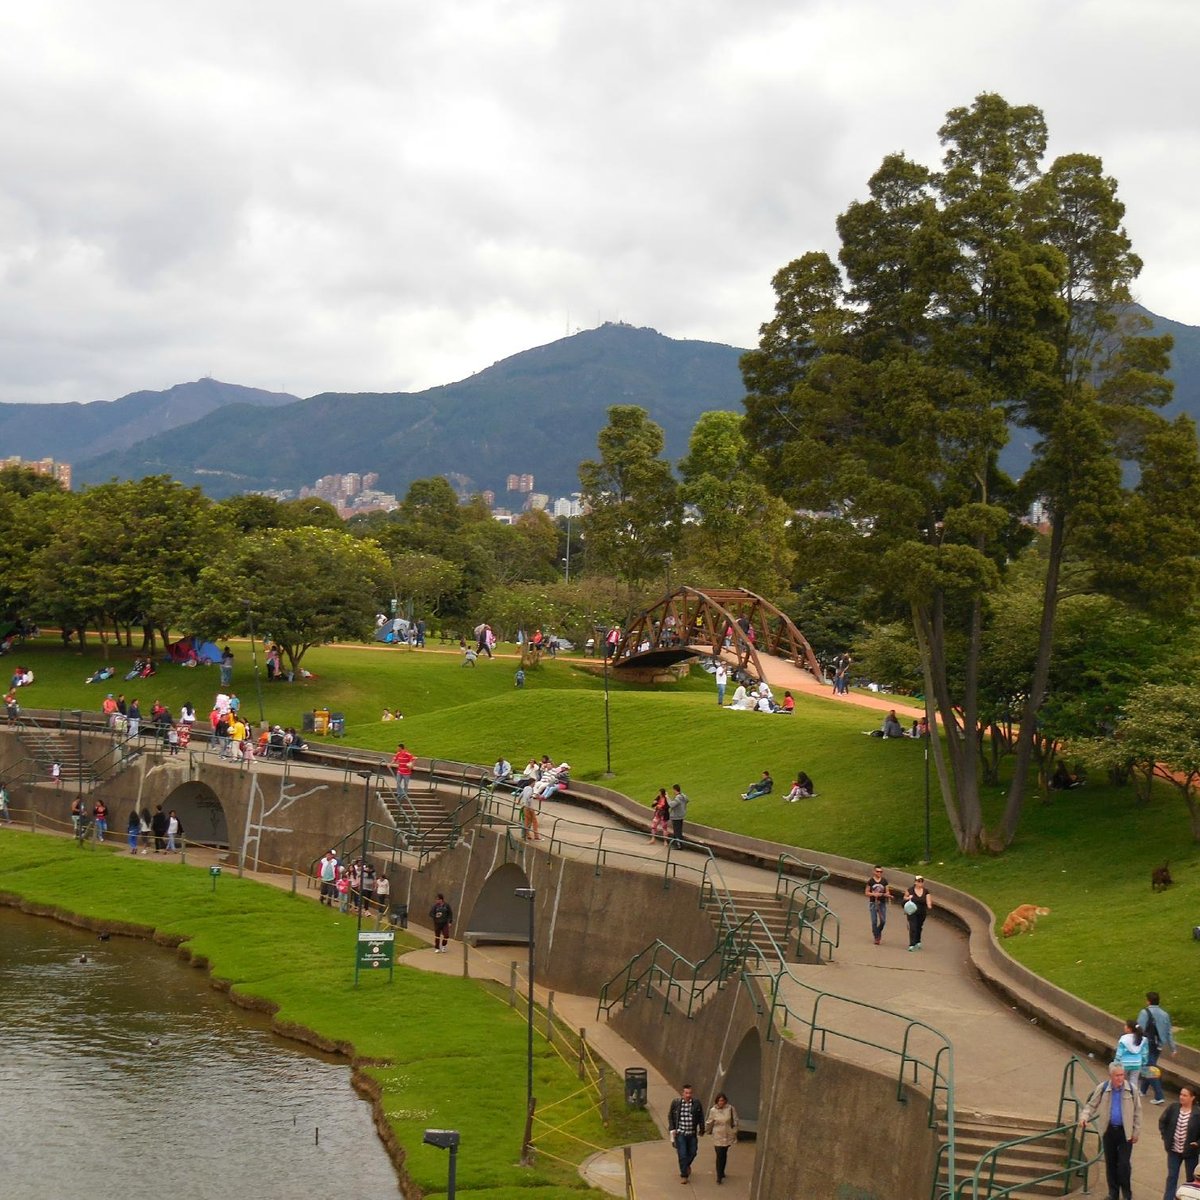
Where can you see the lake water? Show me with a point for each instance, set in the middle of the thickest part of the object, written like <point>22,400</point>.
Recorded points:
<point>129,1077</point>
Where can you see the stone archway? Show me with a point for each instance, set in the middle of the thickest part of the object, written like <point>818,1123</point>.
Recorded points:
<point>743,1080</point>
<point>200,812</point>
<point>498,914</point>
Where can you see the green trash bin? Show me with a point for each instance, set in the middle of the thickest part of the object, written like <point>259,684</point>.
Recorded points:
<point>636,1087</point>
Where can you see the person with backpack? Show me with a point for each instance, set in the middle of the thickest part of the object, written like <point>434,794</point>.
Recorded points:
<point>1156,1022</point>
<point>1117,1110</point>
<point>1132,1052</point>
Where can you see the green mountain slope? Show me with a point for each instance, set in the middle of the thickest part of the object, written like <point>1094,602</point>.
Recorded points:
<point>537,412</point>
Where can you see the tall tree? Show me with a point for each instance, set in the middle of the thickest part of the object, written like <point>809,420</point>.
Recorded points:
<point>740,534</point>
<point>969,299</point>
<point>305,586</point>
<point>632,498</point>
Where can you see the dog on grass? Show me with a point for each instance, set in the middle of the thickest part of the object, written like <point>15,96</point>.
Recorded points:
<point>1022,919</point>
<point>1160,878</point>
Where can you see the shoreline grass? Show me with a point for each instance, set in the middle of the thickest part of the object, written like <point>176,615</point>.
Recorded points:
<point>429,1050</point>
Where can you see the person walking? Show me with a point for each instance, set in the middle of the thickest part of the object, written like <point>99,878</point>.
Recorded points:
<point>879,896</point>
<point>686,1121</point>
<point>402,760</point>
<point>721,675</point>
<point>660,808</point>
<point>56,774</point>
<point>174,830</point>
<point>5,815</point>
<point>1180,1129</point>
<point>721,1126</point>
<point>1117,1110</point>
<point>133,829</point>
<point>1132,1052</point>
<point>158,826</point>
<point>677,810</point>
<point>1156,1024</point>
<point>442,916</point>
<point>917,904</point>
<point>529,814</point>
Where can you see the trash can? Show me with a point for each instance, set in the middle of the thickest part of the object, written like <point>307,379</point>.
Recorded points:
<point>636,1087</point>
<point>399,917</point>
<point>337,724</point>
<point>320,720</point>
<point>307,723</point>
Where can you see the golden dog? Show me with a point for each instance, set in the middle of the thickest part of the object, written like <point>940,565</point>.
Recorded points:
<point>1022,919</point>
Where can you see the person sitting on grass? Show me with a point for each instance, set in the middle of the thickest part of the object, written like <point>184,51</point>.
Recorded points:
<point>789,704</point>
<point>891,727</point>
<point>1062,780</point>
<point>802,789</point>
<point>100,676</point>
<point>743,700</point>
<point>762,787</point>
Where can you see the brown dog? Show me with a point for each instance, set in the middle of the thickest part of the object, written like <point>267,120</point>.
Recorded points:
<point>1160,877</point>
<point>1022,919</point>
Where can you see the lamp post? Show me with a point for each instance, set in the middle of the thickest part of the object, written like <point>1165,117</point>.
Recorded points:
<point>78,715</point>
<point>254,658</point>
<point>445,1139</point>
<point>365,776</point>
<point>529,894</point>
<point>567,560</point>
<point>928,737</point>
<point>607,726</point>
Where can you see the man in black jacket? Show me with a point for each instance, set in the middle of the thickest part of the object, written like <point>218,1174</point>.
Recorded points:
<point>686,1120</point>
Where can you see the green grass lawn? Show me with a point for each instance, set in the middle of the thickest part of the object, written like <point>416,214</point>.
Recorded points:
<point>1087,855</point>
<point>455,1053</point>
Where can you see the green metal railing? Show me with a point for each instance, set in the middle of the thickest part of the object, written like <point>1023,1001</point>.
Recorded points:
<point>1080,1146</point>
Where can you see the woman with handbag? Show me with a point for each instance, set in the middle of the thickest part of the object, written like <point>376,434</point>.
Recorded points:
<point>722,1128</point>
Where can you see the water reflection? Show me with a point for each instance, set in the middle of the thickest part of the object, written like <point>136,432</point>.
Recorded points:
<point>126,1075</point>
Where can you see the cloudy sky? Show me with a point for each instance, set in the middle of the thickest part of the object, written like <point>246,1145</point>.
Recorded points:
<point>381,195</point>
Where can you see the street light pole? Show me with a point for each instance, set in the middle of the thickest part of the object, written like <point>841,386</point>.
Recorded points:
<point>607,726</point>
<point>567,576</point>
<point>365,776</point>
<point>445,1139</point>
<point>928,853</point>
<point>79,754</point>
<point>529,894</point>
<point>254,658</point>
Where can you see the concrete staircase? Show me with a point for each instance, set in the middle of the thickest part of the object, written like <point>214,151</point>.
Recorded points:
<point>422,820</point>
<point>48,746</point>
<point>772,911</point>
<point>1017,1167</point>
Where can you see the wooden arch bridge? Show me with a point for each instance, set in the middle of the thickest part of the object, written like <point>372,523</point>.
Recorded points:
<point>728,623</point>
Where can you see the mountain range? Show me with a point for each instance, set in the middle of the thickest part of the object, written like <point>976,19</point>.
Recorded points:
<point>537,412</point>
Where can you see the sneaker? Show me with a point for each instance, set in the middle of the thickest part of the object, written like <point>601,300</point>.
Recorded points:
<point>918,945</point>
<point>1157,1101</point>
<point>911,949</point>
<point>877,941</point>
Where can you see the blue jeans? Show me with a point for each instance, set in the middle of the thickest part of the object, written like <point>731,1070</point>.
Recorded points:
<point>1174,1162</point>
<point>1156,1084</point>
<point>720,693</point>
<point>878,918</point>
<point>686,1146</point>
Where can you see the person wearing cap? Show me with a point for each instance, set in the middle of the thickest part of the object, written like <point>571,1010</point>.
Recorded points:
<point>557,780</point>
<point>917,903</point>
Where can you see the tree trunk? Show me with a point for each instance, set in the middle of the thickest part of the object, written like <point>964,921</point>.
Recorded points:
<point>1037,687</point>
<point>957,768</point>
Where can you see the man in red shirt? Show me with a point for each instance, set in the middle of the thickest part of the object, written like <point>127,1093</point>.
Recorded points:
<point>402,760</point>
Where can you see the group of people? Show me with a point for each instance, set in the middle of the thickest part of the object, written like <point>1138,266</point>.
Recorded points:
<point>540,781</point>
<point>892,728</point>
<point>916,900</point>
<point>1116,1105</point>
<point>758,698</point>
<point>352,885</point>
<point>802,788</point>
<point>21,677</point>
<point>141,827</point>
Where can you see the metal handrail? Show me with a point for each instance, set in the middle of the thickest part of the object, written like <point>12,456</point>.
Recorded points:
<point>813,873</point>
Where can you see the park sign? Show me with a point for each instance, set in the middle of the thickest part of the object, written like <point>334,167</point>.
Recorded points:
<point>374,950</point>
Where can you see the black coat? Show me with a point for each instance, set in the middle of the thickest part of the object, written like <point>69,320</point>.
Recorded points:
<point>697,1114</point>
<point>1166,1126</point>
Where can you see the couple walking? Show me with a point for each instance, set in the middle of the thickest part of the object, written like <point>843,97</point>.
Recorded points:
<point>688,1121</point>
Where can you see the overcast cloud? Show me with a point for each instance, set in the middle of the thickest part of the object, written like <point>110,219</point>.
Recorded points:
<point>380,195</point>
